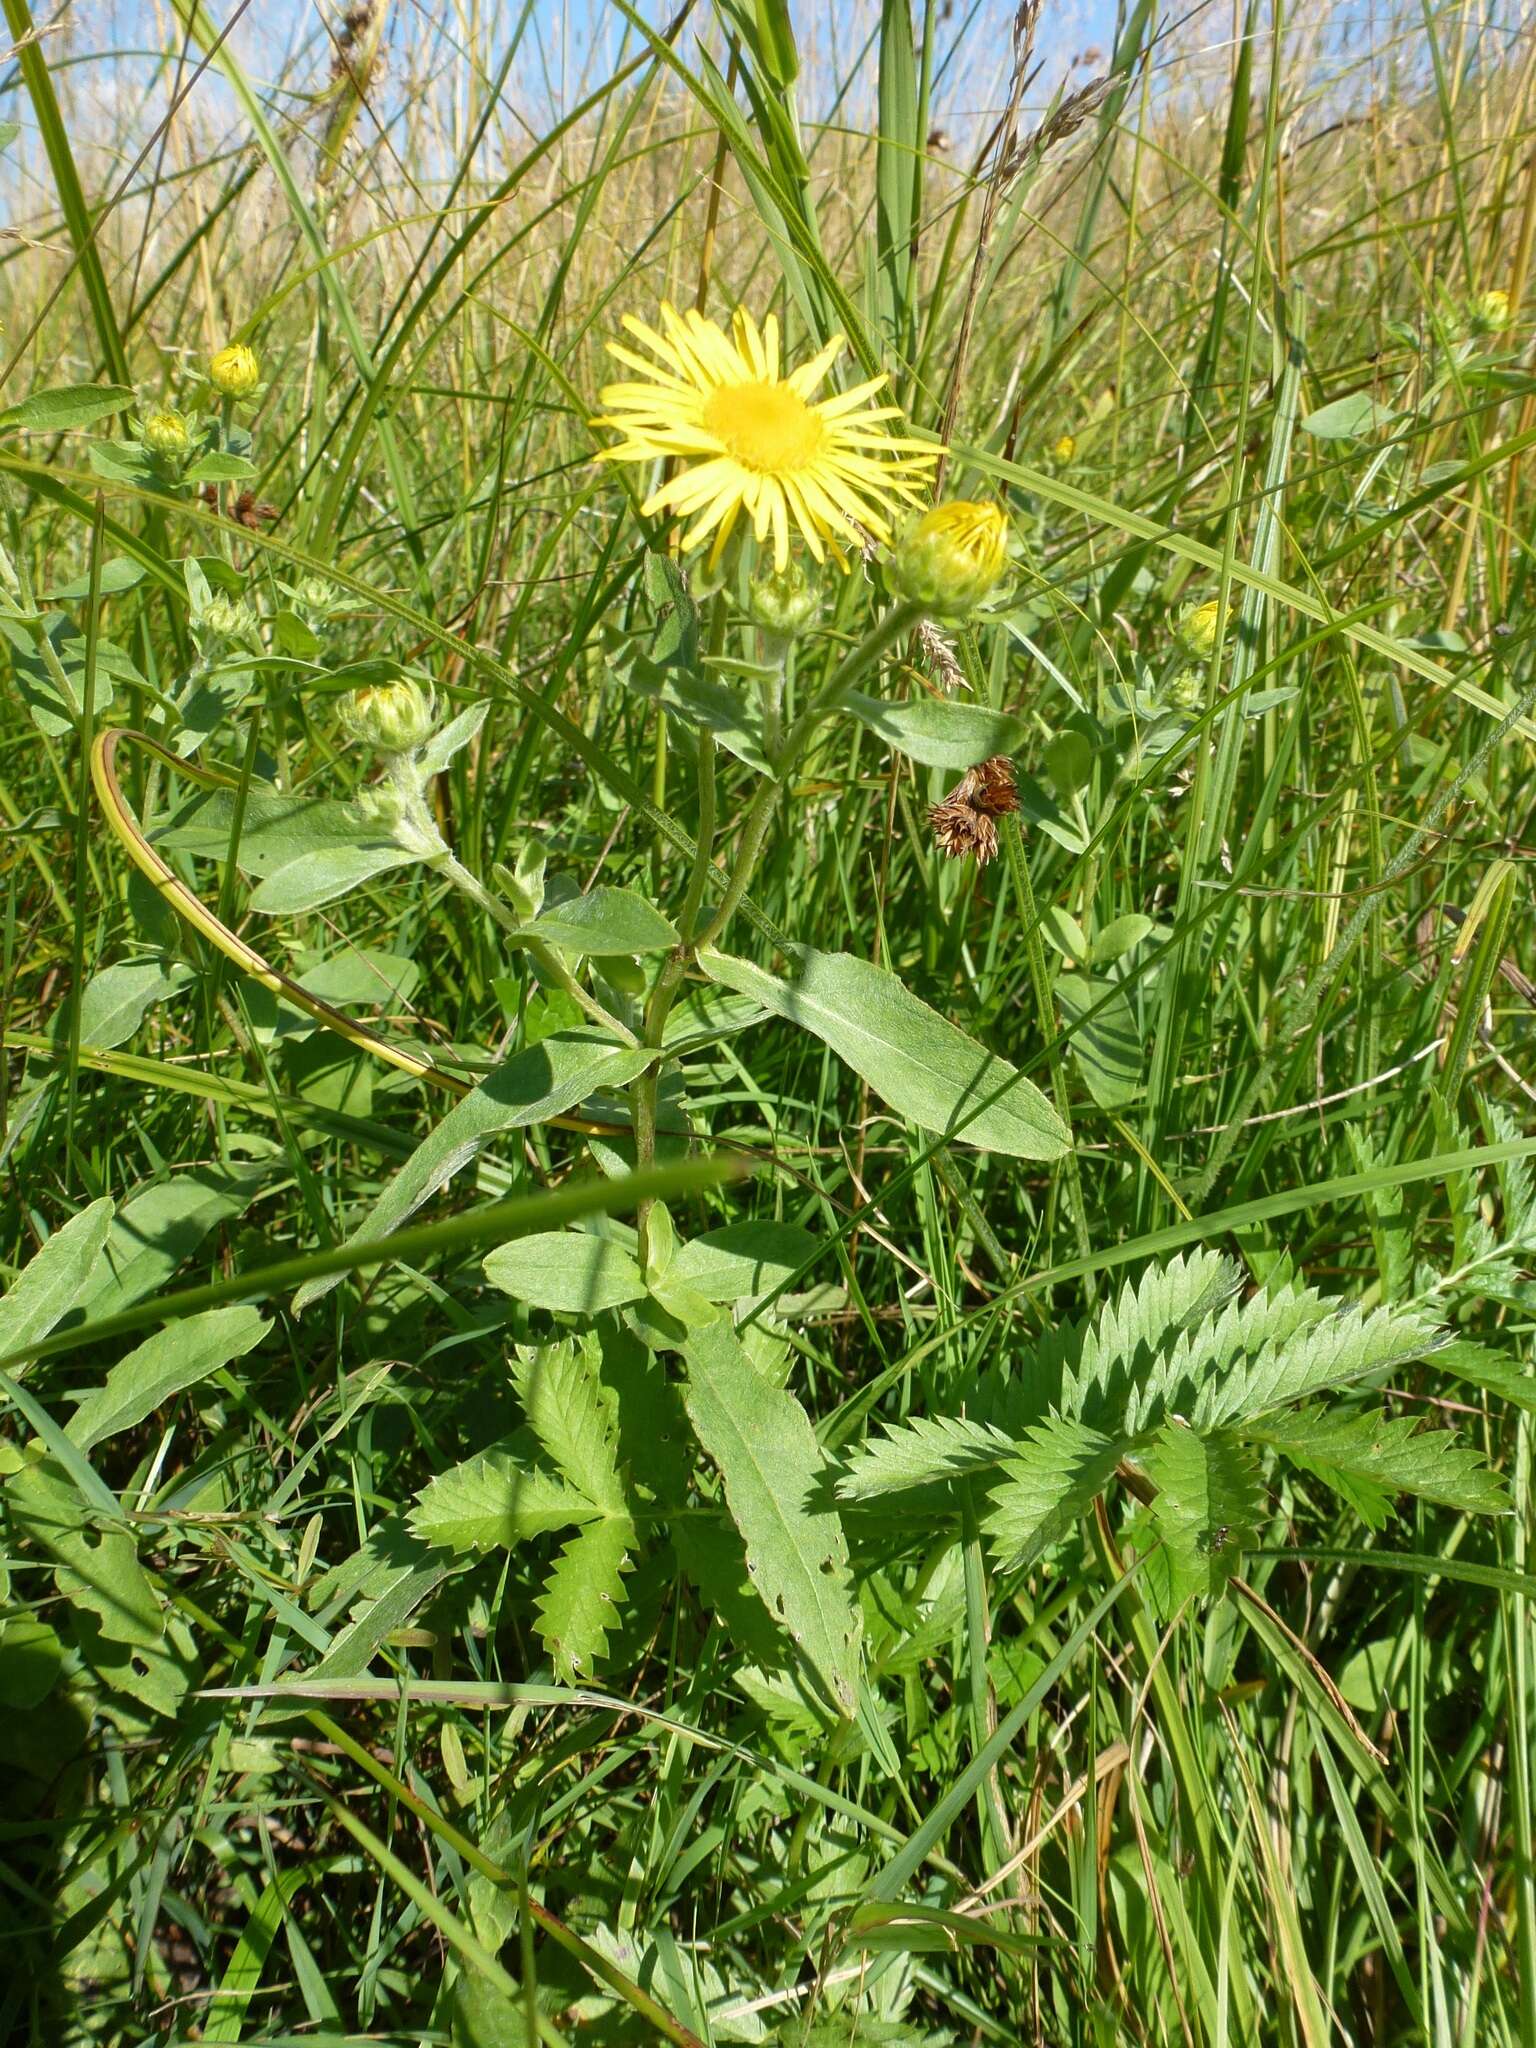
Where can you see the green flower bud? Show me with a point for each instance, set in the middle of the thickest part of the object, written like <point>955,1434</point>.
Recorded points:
<point>166,434</point>
<point>951,558</point>
<point>1187,690</point>
<point>235,371</point>
<point>784,601</point>
<point>392,718</point>
<point>226,618</point>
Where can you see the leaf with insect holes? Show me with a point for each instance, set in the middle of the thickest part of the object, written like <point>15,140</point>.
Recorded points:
<point>925,1067</point>
<point>579,1605</point>
<point>773,1469</point>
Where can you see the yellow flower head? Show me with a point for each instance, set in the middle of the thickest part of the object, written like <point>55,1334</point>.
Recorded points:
<point>165,433</point>
<point>1200,627</point>
<point>751,437</point>
<point>1065,449</point>
<point>235,371</point>
<point>950,559</point>
<point>1489,312</point>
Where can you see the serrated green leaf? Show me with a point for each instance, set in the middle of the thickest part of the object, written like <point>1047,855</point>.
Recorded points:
<point>766,1452</point>
<point>570,1270</point>
<point>572,1413</point>
<point>500,1496</point>
<point>922,1452</point>
<point>163,1366</point>
<point>1050,1481</point>
<point>1346,1345</point>
<point>1371,1458</point>
<point>925,1067</point>
<point>580,1601</point>
<point>1209,1503</point>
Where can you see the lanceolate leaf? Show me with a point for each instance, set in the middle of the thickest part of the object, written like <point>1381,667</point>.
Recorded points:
<point>161,1367</point>
<point>544,1081</point>
<point>501,1496</point>
<point>939,732</point>
<point>925,1067</point>
<point>54,1278</point>
<point>773,1470</point>
<point>570,1270</point>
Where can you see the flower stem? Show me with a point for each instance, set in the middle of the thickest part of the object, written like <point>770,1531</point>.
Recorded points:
<point>548,961</point>
<point>1045,1011</point>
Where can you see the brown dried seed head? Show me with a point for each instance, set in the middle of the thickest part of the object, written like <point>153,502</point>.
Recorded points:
<point>965,823</point>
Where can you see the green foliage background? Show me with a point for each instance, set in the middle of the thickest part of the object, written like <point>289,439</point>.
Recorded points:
<point>777,1547</point>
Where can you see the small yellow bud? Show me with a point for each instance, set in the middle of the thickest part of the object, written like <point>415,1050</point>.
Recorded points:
<point>235,371</point>
<point>165,434</point>
<point>1489,312</point>
<point>392,718</point>
<point>1200,628</point>
<point>1065,449</point>
<point>951,558</point>
<point>783,601</point>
